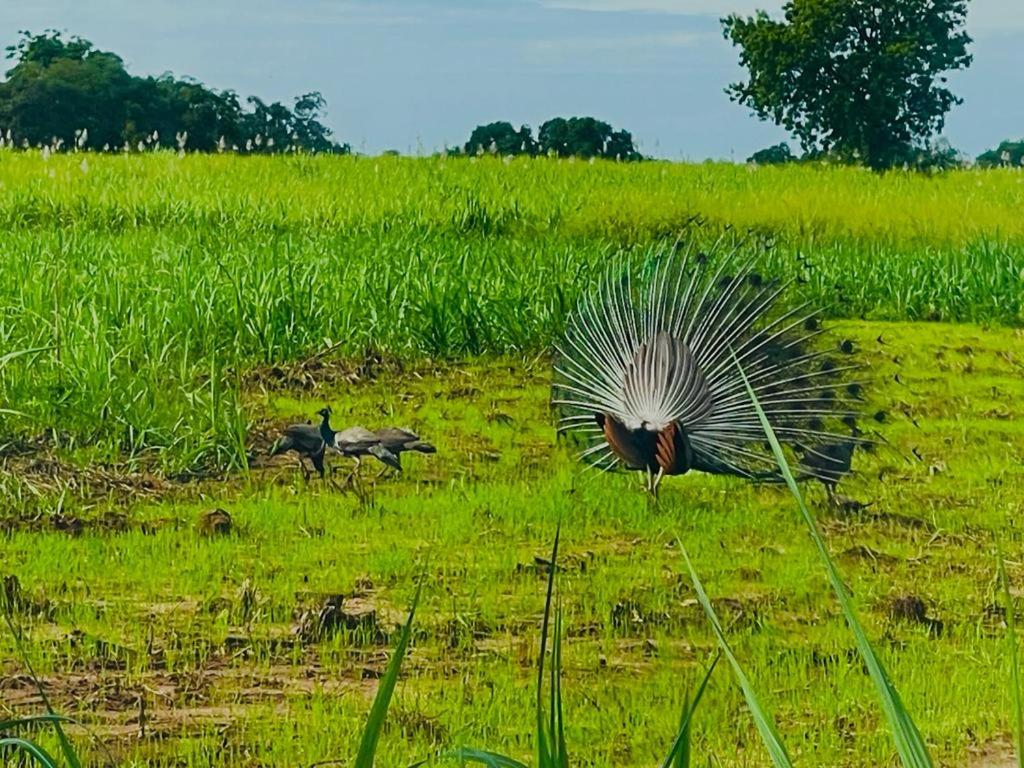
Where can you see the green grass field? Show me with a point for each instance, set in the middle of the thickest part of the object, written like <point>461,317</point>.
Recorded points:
<point>183,310</point>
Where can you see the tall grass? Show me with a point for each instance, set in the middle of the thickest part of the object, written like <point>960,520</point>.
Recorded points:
<point>909,744</point>
<point>766,727</point>
<point>149,283</point>
<point>367,754</point>
<point>552,750</point>
<point>1013,656</point>
<point>27,747</point>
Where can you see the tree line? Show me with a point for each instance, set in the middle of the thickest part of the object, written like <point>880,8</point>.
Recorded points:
<point>583,137</point>
<point>853,81</point>
<point>64,93</point>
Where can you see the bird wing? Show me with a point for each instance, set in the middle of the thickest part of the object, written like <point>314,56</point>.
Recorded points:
<point>385,456</point>
<point>626,443</point>
<point>302,431</point>
<point>396,435</point>
<point>355,439</point>
<point>304,438</point>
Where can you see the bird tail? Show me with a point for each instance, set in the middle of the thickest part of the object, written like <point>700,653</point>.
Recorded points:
<point>280,446</point>
<point>679,340</point>
<point>386,456</point>
<point>421,446</point>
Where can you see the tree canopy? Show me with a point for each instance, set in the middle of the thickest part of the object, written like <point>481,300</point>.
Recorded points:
<point>584,137</point>
<point>502,139</point>
<point>1008,153</point>
<point>64,91</point>
<point>777,154</point>
<point>861,80</point>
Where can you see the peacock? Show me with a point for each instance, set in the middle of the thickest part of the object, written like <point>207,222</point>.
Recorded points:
<point>647,375</point>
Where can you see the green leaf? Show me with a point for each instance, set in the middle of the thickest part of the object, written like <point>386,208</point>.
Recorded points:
<point>9,356</point>
<point>379,710</point>
<point>548,748</point>
<point>763,721</point>
<point>679,755</point>
<point>21,722</point>
<point>34,751</point>
<point>909,744</point>
<point>490,759</point>
<point>65,743</point>
<point>1011,641</point>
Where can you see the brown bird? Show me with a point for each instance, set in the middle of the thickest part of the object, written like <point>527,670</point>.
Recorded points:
<point>648,374</point>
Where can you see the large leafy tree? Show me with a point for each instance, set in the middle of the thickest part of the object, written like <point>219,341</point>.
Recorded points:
<point>585,137</point>
<point>1008,153</point>
<point>64,89</point>
<point>862,80</point>
<point>502,139</point>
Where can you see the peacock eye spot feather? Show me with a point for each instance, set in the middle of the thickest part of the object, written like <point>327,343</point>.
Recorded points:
<point>881,417</point>
<point>854,390</point>
<point>628,377</point>
<point>851,422</point>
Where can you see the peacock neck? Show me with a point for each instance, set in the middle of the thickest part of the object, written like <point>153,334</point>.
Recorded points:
<point>325,430</point>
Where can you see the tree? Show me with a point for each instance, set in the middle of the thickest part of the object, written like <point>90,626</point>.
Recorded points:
<point>861,80</point>
<point>502,139</point>
<point>774,155</point>
<point>585,137</point>
<point>1008,153</point>
<point>64,91</point>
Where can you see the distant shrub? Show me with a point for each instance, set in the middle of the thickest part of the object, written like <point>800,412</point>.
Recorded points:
<point>778,154</point>
<point>500,138</point>
<point>1007,153</point>
<point>584,137</point>
<point>937,155</point>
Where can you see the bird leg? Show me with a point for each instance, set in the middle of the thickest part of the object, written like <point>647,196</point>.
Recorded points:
<point>353,476</point>
<point>652,480</point>
<point>656,481</point>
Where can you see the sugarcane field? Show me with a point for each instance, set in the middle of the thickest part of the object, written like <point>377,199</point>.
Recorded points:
<point>549,448</point>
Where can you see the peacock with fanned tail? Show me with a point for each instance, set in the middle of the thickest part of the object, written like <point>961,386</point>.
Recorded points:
<point>647,375</point>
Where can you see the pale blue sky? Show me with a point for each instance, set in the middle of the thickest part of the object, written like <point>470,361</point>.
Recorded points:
<point>409,74</point>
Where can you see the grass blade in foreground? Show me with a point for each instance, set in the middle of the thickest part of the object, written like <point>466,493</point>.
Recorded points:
<point>379,711</point>
<point>550,735</point>
<point>1011,640</point>
<point>21,722</point>
<point>551,751</point>
<point>763,721</point>
<point>65,743</point>
<point>679,755</point>
<point>489,759</point>
<point>909,744</point>
<point>34,751</point>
